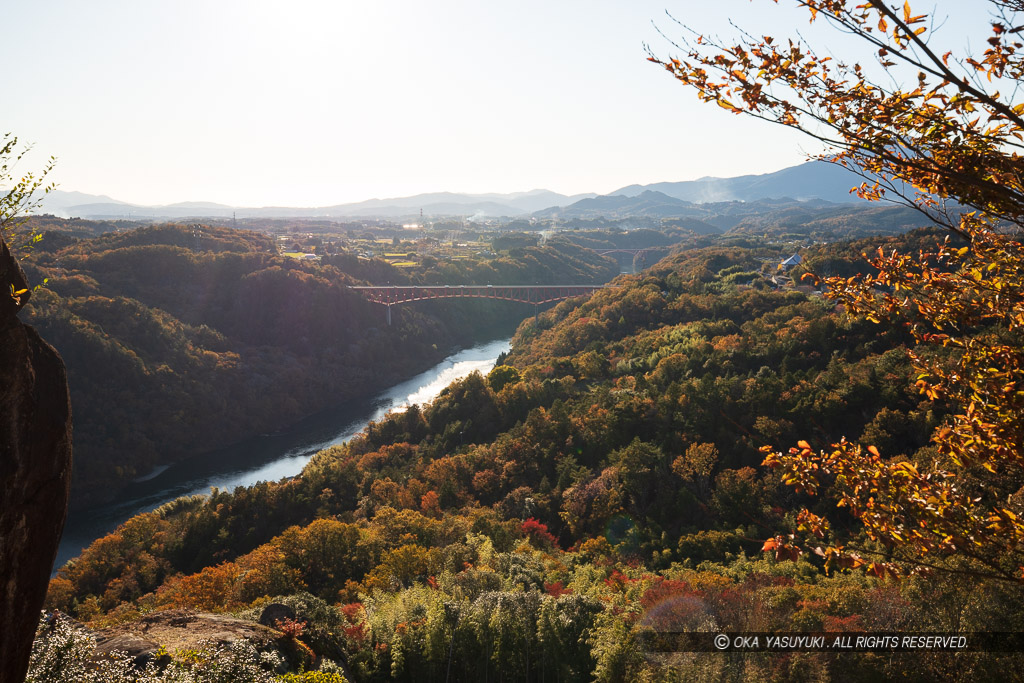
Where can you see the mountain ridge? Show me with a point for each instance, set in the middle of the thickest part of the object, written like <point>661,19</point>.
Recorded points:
<point>810,180</point>
<point>814,180</point>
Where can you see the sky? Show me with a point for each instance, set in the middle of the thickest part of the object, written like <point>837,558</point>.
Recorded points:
<point>321,102</point>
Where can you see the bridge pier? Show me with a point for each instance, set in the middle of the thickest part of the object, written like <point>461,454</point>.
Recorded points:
<point>389,314</point>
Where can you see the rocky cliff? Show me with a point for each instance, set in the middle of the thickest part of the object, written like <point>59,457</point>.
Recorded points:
<point>35,469</point>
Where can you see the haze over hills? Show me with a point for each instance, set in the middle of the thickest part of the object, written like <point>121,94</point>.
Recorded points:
<point>811,180</point>
<point>433,204</point>
<point>650,203</point>
<point>59,200</point>
<point>816,180</point>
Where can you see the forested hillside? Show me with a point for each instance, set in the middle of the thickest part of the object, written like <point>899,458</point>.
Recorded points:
<point>180,339</point>
<point>778,217</point>
<point>604,481</point>
<point>803,425</point>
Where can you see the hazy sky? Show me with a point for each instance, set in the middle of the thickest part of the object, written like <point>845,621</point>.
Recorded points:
<point>317,102</point>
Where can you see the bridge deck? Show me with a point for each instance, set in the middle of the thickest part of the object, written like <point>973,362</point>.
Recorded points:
<point>530,294</point>
<point>605,252</point>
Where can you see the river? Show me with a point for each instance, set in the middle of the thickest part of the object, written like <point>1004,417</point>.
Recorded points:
<point>273,456</point>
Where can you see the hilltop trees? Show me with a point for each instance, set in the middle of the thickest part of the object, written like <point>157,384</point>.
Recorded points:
<point>940,130</point>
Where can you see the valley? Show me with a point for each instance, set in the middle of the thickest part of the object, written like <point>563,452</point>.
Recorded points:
<point>608,466</point>
<point>269,457</point>
<point>372,342</point>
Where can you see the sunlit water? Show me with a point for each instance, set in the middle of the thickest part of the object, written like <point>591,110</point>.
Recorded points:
<point>273,456</point>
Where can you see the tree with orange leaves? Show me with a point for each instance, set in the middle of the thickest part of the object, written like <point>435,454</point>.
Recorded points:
<point>942,131</point>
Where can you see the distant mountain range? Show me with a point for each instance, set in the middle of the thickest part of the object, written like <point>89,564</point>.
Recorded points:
<point>816,180</point>
<point>812,180</point>
<point>432,204</point>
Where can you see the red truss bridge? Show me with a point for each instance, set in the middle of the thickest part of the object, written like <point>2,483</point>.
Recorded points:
<point>527,294</point>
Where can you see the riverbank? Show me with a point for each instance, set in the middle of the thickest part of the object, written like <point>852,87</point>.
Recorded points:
<point>273,456</point>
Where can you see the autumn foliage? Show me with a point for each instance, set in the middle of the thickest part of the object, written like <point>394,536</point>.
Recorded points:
<point>940,130</point>
<point>608,480</point>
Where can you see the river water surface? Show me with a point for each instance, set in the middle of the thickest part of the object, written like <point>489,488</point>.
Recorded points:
<point>273,456</point>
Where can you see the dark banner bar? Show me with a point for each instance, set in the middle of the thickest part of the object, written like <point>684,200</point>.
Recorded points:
<point>653,641</point>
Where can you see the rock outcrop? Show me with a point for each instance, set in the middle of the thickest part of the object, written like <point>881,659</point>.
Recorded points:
<point>275,612</point>
<point>35,469</point>
<point>139,650</point>
<point>180,629</point>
